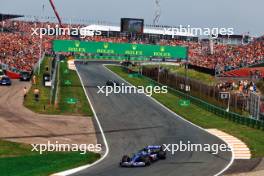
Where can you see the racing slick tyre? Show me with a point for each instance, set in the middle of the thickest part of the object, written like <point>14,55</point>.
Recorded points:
<point>162,155</point>
<point>146,160</point>
<point>126,158</point>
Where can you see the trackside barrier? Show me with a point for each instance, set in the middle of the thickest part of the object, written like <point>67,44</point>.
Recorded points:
<point>223,113</point>
<point>37,65</point>
<point>54,83</point>
<point>236,118</point>
<point>113,57</point>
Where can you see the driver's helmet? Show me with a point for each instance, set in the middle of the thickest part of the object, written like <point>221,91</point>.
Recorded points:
<point>146,150</point>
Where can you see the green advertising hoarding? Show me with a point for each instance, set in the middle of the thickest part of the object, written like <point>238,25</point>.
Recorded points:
<point>177,52</point>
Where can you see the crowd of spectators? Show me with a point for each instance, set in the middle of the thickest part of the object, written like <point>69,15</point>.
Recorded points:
<point>228,57</point>
<point>223,58</point>
<point>241,86</point>
<point>20,49</point>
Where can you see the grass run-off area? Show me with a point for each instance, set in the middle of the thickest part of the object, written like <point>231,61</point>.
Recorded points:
<point>18,160</point>
<point>254,138</point>
<point>69,88</point>
<point>193,74</point>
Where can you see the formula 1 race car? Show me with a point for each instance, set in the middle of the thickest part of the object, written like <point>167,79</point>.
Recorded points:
<point>144,157</point>
<point>112,83</point>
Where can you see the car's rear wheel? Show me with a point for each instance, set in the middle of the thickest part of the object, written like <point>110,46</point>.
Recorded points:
<point>146,160</point>
<point>162,155</point>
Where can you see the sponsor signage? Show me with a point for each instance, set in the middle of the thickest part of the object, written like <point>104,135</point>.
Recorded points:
<point>175,52</point>
<point>71,100</point>
<point>67,83</point>
<point>184,103</point>
<point>66,71</point>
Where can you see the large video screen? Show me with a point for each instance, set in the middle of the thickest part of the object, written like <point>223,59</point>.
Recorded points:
<point>132,25</point>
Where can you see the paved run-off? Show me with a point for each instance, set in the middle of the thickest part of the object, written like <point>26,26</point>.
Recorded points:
<point>19,124</point>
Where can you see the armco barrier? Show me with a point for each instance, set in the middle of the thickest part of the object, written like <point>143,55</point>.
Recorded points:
<point>236,118</point>
<point>112,57</point>
<point>54,83</point>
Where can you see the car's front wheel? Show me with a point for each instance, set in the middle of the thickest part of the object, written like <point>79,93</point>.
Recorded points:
<point>126,158</point>
<point>146,160</point>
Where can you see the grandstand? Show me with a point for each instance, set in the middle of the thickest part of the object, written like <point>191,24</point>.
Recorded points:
<point>20,50</point>
<point>85,92</point>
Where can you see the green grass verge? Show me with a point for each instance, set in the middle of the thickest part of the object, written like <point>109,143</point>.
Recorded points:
<point>18,160</point>
<point>193,74</point>
<point>43,106</point>
<point>10,149</point>
<point>252,137</point>
<point>75,90</point>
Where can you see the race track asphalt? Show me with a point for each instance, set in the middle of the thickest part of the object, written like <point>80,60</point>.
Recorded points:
<point>132,121</point>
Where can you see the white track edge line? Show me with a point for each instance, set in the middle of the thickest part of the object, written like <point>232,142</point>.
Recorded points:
<point>80,168</point>
<point>232,158</point>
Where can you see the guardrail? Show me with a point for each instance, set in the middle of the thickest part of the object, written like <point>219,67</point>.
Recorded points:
<point>234,117</point>
<point>112,57</point>
<point>54,82</point>
<point>37,65</point>
<point>56,86</point>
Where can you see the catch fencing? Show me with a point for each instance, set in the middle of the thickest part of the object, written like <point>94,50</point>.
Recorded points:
<point>174,85</point>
